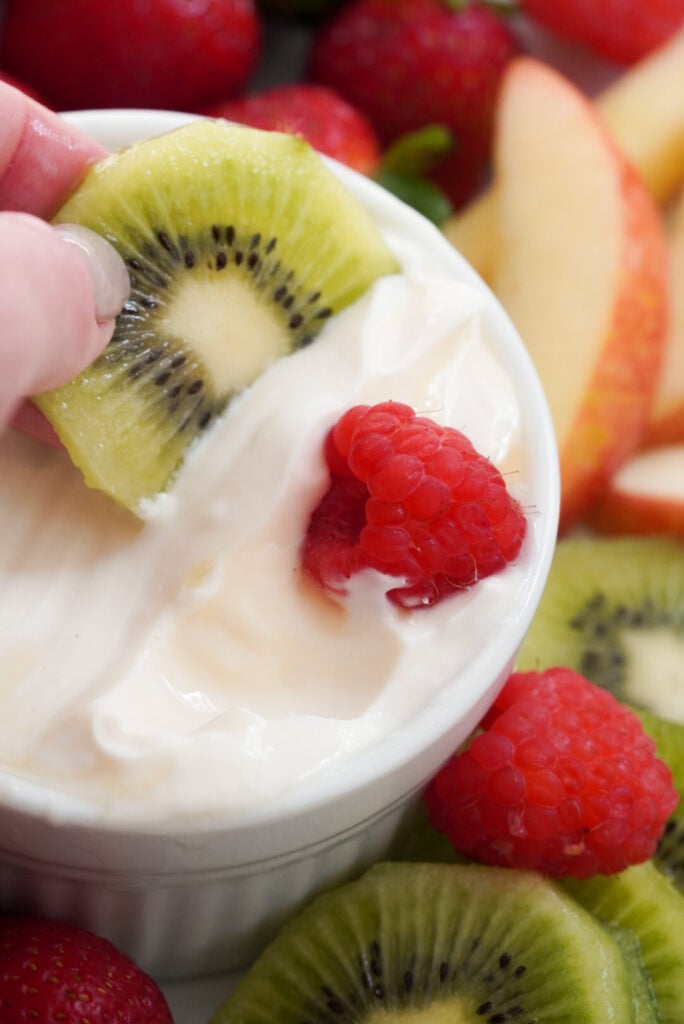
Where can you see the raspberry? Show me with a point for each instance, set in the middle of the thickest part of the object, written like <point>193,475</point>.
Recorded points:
<point>561,779</point>
<point>413,500</point>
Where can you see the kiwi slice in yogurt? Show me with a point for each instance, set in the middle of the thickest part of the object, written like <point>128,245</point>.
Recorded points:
<point>642,900</point>
<point>439,943</point>
<point>613,608</point>
<point>240,244</point>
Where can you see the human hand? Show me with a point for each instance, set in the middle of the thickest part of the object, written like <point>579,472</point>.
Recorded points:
<point>60,287</point>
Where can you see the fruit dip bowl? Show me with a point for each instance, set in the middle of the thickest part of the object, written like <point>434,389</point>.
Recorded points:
<point>193,739</point>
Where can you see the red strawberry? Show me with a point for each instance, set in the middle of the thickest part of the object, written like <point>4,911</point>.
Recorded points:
<point>53,972</point>
<point>413,500</point>
<point>562,779</point>
<point>621,30</point>
<point>317,114</point>
<point>408,63</point>
<point>161,53</point>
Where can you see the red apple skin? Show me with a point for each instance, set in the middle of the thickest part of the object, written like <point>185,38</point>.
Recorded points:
<point>624,351</point>
<point>613,418</point>
<point>619,513</point>
<point>668,429</point>
<point>666,425</point>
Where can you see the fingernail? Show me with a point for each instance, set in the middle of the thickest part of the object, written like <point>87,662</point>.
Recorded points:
<point>111,284</point>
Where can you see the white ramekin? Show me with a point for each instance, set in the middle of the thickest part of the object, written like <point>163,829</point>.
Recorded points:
<point>185,903</point>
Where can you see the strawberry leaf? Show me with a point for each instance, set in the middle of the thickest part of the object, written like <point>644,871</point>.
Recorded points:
<point>418,152</point>
<point>418,192</point>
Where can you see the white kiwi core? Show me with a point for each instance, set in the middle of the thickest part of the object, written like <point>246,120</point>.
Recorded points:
<point>655,679</point>
<point>234,334</point>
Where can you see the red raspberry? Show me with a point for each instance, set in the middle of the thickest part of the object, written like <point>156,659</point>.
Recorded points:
<point>413,500</point>
<point>562,779</point>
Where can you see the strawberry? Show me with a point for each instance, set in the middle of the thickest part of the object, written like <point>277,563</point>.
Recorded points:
<point>408,63</point>
<point>161,53</point>
<point>53,972</point>
<point>317,114</point>
<point>621,30</point>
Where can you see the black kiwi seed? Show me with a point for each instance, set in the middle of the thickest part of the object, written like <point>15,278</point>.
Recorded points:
<point>409,942</point>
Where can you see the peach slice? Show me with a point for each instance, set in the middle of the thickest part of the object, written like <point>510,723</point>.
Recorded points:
<point>582,271</point>
<point>645,496</point>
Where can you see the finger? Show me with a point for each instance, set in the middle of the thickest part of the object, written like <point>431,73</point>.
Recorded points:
<point>42,158</point>
<point>30,421</point>
<point>51,321</point>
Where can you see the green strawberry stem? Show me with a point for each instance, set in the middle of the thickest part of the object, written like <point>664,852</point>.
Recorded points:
<point>418,192</point>
<point>419,151</point>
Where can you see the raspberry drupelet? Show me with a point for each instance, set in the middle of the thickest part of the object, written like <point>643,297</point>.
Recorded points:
<point>561,778</point>
<point>413,500</point>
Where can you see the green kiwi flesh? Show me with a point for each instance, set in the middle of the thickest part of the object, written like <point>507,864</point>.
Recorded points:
<point>437,943</point>
<point>613,608</point>
<point>642,900</point>
<point>240,244</point>
<point>669,740</point>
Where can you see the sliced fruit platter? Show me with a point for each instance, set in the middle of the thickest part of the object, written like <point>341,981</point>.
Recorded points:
<point>543,879</point>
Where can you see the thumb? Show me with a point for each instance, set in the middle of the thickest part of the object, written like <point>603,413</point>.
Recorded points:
<point>60,289</point>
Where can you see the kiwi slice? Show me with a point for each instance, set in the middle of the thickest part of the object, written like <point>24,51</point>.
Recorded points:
<point>646,1009</point>
<point>240,245</point>
<point>669,739</point>
<point>613,608</point>
<point>644,901</point>
<point>419,841</point>
<point>437,943</point>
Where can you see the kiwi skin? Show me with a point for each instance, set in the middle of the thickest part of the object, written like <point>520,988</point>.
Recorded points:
<point>646,1009</point>
<point>644,901</point>
<point>434,942</point>
<point>240,245</point>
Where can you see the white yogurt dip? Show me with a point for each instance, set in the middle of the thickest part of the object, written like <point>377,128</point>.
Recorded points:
<point>182,668</point>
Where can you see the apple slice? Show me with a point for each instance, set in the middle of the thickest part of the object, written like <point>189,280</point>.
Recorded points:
<point>644,111</point>
<point>582,271</point>
<point>646,495</point>
<point>666,425</point>
<point>473,231</point>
